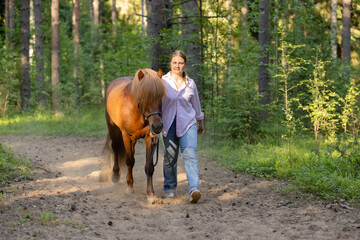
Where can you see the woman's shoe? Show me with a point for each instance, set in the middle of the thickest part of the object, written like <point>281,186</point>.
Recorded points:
<point>195,196</point>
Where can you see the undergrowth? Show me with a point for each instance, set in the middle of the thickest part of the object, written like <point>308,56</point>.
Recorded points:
<point>331,172</point>
<point>12,167</point>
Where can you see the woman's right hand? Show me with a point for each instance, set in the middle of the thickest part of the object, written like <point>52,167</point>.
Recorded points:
<point>201,126</point>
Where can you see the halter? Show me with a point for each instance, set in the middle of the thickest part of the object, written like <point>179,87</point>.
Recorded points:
<point>153,140</point>
<point>146,116</point>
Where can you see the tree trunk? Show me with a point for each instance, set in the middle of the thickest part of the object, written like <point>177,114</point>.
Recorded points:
<point>264,37</point>
<point>244,24</point>
<point>76,39</point>
<point>143,17</point>
<point>39,53</point>
<point>55,54</point>
<point>229,39</point>
<point>24,54</point>
<point>11,24</point>
<point>96,12</point>
<point>333,29</point>
<point>346,46</point>
<point>346,22</point>
<point>113,16</point>
<point>159,14</point>
<point>191,32</point>
<point>97,41</point>
<point>7,23</point>
<point>32,36</point>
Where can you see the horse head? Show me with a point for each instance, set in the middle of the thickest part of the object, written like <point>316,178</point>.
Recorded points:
<point>149,90</point>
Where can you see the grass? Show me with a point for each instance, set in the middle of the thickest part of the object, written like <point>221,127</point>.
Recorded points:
<point>328,172</point>
<point>12,167</point>
<point>79,123</point>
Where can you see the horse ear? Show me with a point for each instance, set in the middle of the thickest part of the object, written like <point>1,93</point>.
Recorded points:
<point>140,75</point>
<point>160,73</point>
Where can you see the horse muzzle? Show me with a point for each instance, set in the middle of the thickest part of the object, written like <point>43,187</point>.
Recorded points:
<point>156,128</point>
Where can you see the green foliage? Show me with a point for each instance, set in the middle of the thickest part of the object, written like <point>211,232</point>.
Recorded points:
<point>12,167</point>
<point>9,95</point>
<point>46,217</point>
<point>333,172</point>
<point>4,197</point>
<point>284,73</point>
<point>323,102</point>
<point>23,220</point>
<point>350,116</point>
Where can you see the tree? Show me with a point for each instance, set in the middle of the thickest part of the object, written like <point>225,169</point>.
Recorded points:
<point>24,54</point>
<point>346,46</point>
<point>333,29</point>
<point>39,53</point>
<point>97,22</point>
<point>96,9</point>
<point>113,16</point>
<point>55,54</point>
<point>10,23</point>
<point>143,17</point>
<point>76,39</point>
<point>159,13</point>
<point>229,39</point>
<point>264,37</point>
<point>7,22</point>
<point>191,32</point>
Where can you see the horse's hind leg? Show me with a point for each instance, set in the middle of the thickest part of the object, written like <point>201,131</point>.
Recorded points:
<point>115,176</point>
<point>117,145</point>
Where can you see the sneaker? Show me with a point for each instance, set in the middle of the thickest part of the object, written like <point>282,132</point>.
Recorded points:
<point>170,195</point>
<point>195,196</point>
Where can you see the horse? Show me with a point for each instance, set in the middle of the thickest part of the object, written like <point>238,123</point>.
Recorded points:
<point>133,111</point>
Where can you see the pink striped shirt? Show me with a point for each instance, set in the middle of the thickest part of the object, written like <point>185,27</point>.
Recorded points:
<point>182,104</point>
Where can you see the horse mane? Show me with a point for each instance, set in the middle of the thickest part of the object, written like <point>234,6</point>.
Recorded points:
<point>148,90</point>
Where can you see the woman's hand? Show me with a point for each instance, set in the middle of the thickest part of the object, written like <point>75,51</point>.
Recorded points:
<point>201,126</point>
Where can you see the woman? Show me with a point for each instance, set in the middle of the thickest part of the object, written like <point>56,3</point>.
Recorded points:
<point>180,112</point>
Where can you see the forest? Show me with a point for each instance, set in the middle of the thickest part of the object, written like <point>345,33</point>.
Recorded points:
<point>278,80</point>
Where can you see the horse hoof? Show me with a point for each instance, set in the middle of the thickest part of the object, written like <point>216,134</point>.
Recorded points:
<point>154,200</point>
<point>115,177</point>
<point>130,190</point>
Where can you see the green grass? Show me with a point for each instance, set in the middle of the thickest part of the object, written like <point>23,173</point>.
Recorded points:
<point>12,167</point>
<point>329,173</point>
<point>79,123</point>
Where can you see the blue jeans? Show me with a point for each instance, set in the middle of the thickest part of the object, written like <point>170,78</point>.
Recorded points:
<point>188,146</point>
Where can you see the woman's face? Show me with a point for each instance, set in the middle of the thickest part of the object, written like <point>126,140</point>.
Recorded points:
<point>177,65</point>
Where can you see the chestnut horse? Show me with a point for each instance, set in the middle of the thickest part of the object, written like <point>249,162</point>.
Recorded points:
<point>133,111</point>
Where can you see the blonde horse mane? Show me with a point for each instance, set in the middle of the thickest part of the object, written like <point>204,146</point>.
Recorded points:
<point>148,88</point>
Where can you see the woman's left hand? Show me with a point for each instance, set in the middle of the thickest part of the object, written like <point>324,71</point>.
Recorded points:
<point>201,127</point>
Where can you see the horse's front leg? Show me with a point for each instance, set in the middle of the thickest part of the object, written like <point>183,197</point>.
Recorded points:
<point>130,161</point>
<point>149,166</point>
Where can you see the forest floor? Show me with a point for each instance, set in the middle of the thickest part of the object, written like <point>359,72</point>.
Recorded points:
<point>66,200</point>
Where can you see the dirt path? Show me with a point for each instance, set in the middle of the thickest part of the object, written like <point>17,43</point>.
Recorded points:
<point>73,204</point>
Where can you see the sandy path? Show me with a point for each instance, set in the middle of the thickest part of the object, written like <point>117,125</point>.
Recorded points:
<point>80,207</point>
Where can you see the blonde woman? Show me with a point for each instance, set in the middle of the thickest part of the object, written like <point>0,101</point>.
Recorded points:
<point>181,111</point>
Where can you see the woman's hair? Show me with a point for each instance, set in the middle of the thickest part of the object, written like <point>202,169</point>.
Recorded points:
<point>182,55</point>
